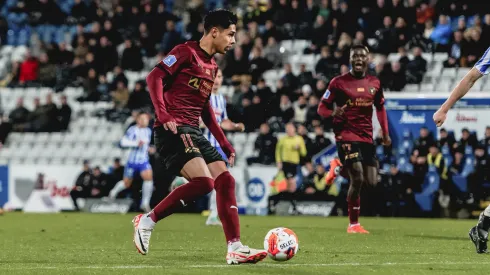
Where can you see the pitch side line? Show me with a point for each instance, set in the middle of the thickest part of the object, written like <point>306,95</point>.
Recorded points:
<point>278,265</point>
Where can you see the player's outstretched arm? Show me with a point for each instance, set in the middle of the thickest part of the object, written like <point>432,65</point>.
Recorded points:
<point>459,91</point>
<point>154,80</point>
<point>209,119</point>
<point>229,125</point>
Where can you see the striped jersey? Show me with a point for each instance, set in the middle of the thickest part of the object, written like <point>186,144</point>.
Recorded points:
<point>218,103</point>
<point>483,65</point>
<point>131,139</point>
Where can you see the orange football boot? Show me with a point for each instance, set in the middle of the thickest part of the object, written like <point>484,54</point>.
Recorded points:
<point>335,166</point>
<point>356,229</point>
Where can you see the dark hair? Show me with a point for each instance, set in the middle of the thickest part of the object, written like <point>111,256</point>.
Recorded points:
<point>359,47</point>
<point>219,18</point>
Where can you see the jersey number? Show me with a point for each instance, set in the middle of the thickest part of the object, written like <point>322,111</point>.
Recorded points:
<point>194,82</point>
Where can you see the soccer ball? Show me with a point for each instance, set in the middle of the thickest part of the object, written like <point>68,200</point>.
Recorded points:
<point>281,244</point>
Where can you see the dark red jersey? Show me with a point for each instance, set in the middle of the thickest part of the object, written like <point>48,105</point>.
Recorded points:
<point>191,77</point>
<point>359,95</point>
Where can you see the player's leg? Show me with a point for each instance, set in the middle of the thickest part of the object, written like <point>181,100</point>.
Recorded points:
<point>123,184</point>
<point>200,183</point>
<point>479,233</point>
<point>213,218</point>
<point>147,187</point>
<point>228,213</point>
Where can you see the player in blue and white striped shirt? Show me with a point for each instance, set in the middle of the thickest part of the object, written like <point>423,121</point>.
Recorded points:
<point>479,233</point>
<point>137,138</point>
<point>218,102</point>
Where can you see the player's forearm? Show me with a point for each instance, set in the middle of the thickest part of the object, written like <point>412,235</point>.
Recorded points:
<point>461,89</point>
<point>126,142</point>
<point>323,110</point>
<point>210,120</point>
<point>383,119</point>
<point>229,125</point>
<point>154,81</point>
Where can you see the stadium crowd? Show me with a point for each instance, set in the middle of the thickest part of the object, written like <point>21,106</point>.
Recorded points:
<point>82,42</point>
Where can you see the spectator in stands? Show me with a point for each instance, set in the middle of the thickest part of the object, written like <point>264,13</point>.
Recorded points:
<point>312,113</point>
<point>300,108</point>
<point>272,52</point>
<point>5,129</point>
<point>116,173</point>
<point>436,159</point>
<point>486,140</point>
<point>90,87</point>
<point>139,98</point>
<point>403,33</point>
<point>61,55</point>
<point>286,111</point>
<point>120,96</point>
<point>99,183</point>
<point>474,49</point>
<point>467,139</point>
<point>236,63</point>
<point>146,41</point>
<point>243,91</point>
<point>112,34</point>
<point>267,97</point>
<point>131,58</point>
<point>106,57</point>
<point>253,114</point>
<point>171,38</point>
<point>82,188</point>
<point>47,71</point>
<point>425,140</point>
<point>417,67</point>
<point>51,111</point>
<point>445,139</point>
<point>481,174</point>
<point>456,167</point>
<point>19,116</point>
<point>303,132</point>
<point>265,145</point>
<point>305,77</point>
<point>258,64</point>
<point>289,79</point>
<point>64,114</point>
<point>442,33</point>
<point>386,37</point>
<point>320,142</point>
<point>103,88</point>
<point>29,70</point>
<point>318,36</point>
<point>118,76</point>
<point>397,80</point>
<point>456,49</point>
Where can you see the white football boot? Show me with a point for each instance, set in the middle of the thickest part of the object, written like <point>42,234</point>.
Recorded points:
<point>213,219</point>
<point>143,226</point>
<point>245,255</point>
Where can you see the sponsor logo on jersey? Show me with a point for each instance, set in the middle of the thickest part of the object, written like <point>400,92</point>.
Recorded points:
<point>372,90</point>
<point>326,95</point>
<point>170,60</point>
<point>194,82</point>
<point>360,90</point>
<point>408,118</point>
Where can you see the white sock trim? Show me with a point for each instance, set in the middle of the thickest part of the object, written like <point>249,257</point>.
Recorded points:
<point>120,186</point>
<point>146,192</point>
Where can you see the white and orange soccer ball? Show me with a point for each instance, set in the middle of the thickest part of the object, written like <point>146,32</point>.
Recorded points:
<point>281,244</point>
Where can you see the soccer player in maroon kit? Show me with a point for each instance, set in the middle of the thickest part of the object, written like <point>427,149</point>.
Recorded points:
<point>180,87</point>
<point>353,95</point>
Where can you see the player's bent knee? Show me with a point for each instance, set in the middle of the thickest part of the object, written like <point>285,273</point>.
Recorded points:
<point>224,181</point>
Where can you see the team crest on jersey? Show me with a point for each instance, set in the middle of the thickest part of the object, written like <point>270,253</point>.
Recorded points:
<point>326,95</point>
<point>170,60</point>
<point>372,90</point>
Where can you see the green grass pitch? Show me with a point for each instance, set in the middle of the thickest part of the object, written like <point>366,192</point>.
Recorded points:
<point>181,244</point>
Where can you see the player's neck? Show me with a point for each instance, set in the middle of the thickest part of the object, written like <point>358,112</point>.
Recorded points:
<point>207,46</point>
<point>357,75</point>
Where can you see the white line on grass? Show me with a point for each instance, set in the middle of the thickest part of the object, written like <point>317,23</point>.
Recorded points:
<point>277,265</point>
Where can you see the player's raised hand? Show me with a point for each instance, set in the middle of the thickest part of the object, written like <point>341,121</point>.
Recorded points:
<point>439,117</point>
<point>339,111</point>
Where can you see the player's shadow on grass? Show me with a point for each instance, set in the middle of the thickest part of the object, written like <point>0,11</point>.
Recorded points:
<point>442,238</point>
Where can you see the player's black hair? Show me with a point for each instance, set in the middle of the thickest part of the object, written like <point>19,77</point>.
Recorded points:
<point>359,47</point>
<point>219,18</point>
